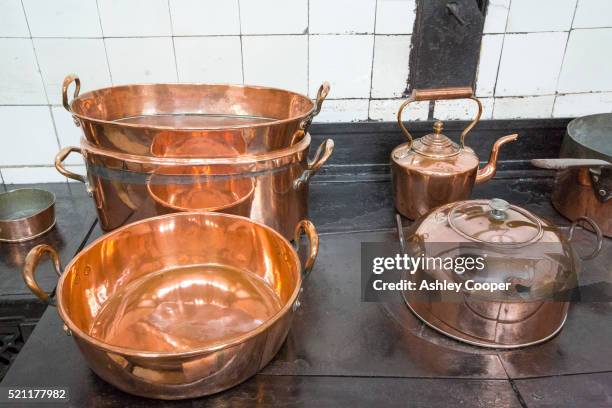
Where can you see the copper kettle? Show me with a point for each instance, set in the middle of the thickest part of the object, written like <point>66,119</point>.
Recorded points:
<point>434,170</point>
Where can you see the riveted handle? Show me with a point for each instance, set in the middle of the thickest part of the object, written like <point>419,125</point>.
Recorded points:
<point>59,163</point>
<point>29,270</point>
<point>65,85</point>
<point>598,233</point>
<point>324,151</point>
<point>440,94</point>
<point>306,227</point>
<point>321,95</point>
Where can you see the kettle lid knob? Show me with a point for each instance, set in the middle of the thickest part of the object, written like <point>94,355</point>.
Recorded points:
<point>438,126</point>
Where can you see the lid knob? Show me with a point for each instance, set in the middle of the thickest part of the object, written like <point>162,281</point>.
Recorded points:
<point>498,208</point>
<point>438,126</point>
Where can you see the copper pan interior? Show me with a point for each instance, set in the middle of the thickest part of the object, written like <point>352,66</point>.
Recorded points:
<point>179,283</point>
<point>201,188</point>
<point>191,106</point>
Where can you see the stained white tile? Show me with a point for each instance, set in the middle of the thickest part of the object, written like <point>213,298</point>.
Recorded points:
<point>12,19</point>
<point>20,81</point>
<point>386,110</point>
<point>523,107</point>
<point>29,135</point>
<point>395,16</point>
<point>209,59</point>
<point>279,61</point>
<point>84,57</point>
<point>540,15</point>
<point>343,60</point>
<point>587,62</point>
<point>205,17</point>
<point>141,60</point>
<point>134,18</point>
<point>390,71</point>
<point>24,175</point>
<point>342,16</point>
<point>490,52</point>
<point>593,13</point>
<point>274,16</point>
<point>63,18</point>
<point>571,105</point>
<point>530,64</point>
<point>497,16</point>
<point>344,110</point>
<point>67,132</point>
<point>462,109</point>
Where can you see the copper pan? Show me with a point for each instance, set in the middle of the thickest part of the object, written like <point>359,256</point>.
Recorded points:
<point>182,305</point>
<point>153,119</point>
<point>128,188</point>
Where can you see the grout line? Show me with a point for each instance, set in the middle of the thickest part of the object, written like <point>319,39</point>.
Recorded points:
<point>563,59</point>
<point>110,74</point>
<point>59,145</point>
<point>178,79</point>
<point>501,54</point>
<point>372,60</point>
<point>241,46</point>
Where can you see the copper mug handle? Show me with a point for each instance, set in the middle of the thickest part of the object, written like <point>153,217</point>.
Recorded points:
<point>440,94</point>
<point>321,95</point>
<point>324,151</point>
<point>306,227</point>
<point>29,270</point>
<point>598,233</point>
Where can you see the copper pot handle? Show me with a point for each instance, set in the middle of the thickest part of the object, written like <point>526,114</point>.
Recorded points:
<point>77,88</point>
<point>308,228</point>
<point>321,95</point>
<point>439,94</point>
<point>598,233</point>
<point>59,163</point>
<point>323,153</point>
<point>29,270</point>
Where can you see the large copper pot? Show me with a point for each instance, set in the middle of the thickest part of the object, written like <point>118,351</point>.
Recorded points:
<point>433,170</point>
<point>182,305</point>
<point>524,273</point>
<point>271,188</point>
<point>583,184</point>
<point>156,119</point>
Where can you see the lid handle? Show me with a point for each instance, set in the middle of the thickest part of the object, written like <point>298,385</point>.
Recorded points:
<point>499,209</point>
<point>440,94</point>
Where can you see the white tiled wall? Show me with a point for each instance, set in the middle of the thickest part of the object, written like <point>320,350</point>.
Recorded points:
<point>539,59</point>
<point>546,58</point>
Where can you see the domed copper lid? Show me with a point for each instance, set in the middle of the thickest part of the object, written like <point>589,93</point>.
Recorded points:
<point>436,144</point>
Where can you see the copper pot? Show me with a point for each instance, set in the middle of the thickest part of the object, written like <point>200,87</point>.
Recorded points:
<point>128,188</point>
<point>433,170</point>
<point>25,214</point>
<point>182,305</point>
<point>529,261</point>
<point>583,184</point>
<point>156,119</point>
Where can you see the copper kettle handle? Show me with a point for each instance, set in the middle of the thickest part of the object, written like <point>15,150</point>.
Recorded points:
<point>308,228</point>
<point>29,269</point>
<point>440,94</point>
<point>598,233</point>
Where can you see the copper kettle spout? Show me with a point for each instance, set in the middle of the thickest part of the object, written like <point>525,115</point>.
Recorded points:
<point>488,171</point>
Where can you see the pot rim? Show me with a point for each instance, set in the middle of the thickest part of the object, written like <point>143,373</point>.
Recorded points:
<point>38,212</point>
<point>213,347</point>
<point>303,144</point>
<point>273,122</point>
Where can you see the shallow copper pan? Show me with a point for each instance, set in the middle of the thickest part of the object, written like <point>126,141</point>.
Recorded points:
<point>127,188</point>
<point>181,305</point>
<point>25,214</point>
<point>151,120</point>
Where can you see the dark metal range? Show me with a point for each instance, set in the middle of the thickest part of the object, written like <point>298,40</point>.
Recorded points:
<point>341,351</point>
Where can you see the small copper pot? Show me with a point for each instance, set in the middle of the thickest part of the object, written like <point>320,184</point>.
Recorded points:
<point>158,119</point>
<point>25,214</point>
<point>181,305</point>
<point>122,191</point>
<point>433,170</point>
